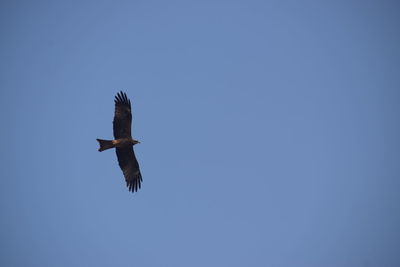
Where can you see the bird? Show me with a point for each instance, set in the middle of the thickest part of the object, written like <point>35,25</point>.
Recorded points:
<point>123,142</point>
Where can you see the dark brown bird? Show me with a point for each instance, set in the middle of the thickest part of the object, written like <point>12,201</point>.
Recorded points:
<point>124,143</point>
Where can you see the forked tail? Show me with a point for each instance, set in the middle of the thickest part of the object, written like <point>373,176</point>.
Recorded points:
<point>105,144</point>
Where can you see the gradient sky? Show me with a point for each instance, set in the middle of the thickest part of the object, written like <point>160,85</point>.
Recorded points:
<point>269,133</point>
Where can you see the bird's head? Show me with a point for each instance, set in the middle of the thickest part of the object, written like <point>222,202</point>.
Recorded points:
<point>135,142</point>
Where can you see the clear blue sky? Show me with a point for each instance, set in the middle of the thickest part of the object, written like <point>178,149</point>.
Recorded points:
<point>269,133</point>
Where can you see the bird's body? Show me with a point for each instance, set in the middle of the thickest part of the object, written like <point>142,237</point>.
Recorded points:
<point>123,142</point>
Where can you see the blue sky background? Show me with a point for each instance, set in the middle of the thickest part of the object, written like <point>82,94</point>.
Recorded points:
<point>269,129</point>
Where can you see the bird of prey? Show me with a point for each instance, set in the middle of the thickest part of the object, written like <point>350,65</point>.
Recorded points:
<point>124,143</point>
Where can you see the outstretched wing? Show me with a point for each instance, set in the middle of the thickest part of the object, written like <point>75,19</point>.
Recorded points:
<point>122,116</point>
<point>130,167</point>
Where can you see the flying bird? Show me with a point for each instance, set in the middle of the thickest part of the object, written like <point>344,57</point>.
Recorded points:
<point>123,142</point>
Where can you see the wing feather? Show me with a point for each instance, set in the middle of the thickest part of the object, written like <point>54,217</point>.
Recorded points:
<point>122,122</point>
<point>130,167</point>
